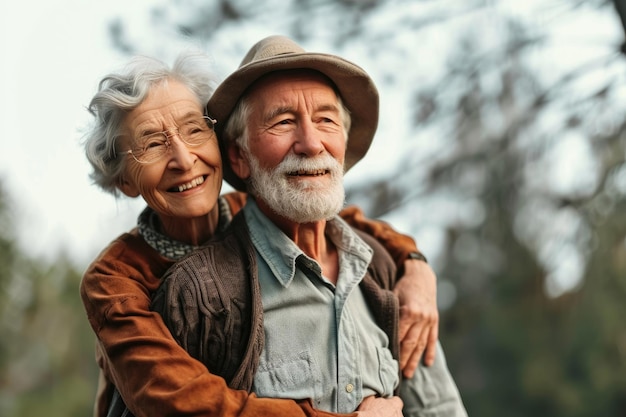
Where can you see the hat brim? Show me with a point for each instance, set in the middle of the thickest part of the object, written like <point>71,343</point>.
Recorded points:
<point>357,90</point>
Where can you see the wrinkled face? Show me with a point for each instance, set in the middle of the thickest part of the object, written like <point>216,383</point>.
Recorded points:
<point>296,144</point>
<point>186,181</point>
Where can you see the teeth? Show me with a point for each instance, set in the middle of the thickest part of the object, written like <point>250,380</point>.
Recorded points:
<point>193,183</point>
<point>320,172</point>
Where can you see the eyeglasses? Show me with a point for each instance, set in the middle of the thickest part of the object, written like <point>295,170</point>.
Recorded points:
<point>193,132</point>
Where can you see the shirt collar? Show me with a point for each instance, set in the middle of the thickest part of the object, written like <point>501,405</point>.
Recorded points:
<point>280,252</point>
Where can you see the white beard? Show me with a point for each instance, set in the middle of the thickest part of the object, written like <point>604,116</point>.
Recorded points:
<point>297,199</point>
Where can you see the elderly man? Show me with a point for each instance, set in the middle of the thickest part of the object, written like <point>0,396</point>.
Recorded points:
<point>288,302</point>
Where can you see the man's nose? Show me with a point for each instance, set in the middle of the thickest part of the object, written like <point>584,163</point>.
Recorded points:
<point>309,140</point>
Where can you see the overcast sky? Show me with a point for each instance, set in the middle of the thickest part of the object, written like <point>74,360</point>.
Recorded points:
<point>53,54</point>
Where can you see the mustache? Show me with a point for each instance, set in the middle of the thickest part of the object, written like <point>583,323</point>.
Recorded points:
<point>294,164</point>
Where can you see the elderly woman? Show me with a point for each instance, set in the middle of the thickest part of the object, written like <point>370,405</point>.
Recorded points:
<point>151,138</point>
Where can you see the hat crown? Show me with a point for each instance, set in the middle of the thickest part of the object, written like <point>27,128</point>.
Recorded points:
<point>270,47</point>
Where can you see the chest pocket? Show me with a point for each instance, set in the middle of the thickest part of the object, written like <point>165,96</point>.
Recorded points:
<point>295,377</point>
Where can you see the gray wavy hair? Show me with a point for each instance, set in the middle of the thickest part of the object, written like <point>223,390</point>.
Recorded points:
<point>123,91</point>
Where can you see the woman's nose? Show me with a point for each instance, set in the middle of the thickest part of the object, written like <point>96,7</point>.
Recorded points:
<point>181,155</point>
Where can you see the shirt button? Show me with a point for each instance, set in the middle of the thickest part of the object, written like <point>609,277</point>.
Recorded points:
<point>349,388</point>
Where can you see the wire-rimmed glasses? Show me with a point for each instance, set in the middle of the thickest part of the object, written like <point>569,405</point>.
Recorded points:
<point>193,132</point>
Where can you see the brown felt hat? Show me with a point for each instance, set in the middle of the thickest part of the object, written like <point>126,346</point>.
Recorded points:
<point>277,53</point>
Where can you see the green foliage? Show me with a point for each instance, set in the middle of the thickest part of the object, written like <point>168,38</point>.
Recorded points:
<point>515,347</point>
<point>47,362</point>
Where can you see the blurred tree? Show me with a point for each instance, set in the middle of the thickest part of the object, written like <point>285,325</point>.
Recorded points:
<point>620,8</point>
<point>46,349</point>
<point>510,150</point>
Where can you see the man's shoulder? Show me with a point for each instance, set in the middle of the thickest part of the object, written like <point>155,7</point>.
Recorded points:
<point>382,267</point>
<point>371,241</point>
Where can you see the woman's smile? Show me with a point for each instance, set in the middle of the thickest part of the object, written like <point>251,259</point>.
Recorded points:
<point>188,185</point>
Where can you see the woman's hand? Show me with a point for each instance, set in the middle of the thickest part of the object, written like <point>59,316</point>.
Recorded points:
<point>380,407</point>
<point>419,317</point>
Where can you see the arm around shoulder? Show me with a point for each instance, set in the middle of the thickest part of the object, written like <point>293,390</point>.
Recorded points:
<point>397,244</point>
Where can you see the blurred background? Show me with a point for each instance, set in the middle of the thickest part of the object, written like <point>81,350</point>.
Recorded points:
<point>501,149</point>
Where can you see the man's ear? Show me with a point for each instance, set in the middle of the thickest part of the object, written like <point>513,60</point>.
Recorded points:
<point>127,187</point>
<point>238,162</point>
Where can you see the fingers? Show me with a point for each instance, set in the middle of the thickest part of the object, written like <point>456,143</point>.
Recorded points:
<point>366,403</point>
<point>413,343</point>
<point>412,356</point>
<point>396,405</point>
<point>419,342</point>
<point>404,325</point>
<point>431,347</point>
<point>418,328</point>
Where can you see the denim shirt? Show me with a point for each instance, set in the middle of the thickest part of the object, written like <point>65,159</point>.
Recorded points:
<point>321,340</point>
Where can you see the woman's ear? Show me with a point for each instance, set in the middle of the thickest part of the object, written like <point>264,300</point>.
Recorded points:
<point>127,187</point>
<point>238,162</point>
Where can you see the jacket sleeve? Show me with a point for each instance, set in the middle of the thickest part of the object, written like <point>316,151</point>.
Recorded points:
<point>397,244</point>
<point>154,375</point>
